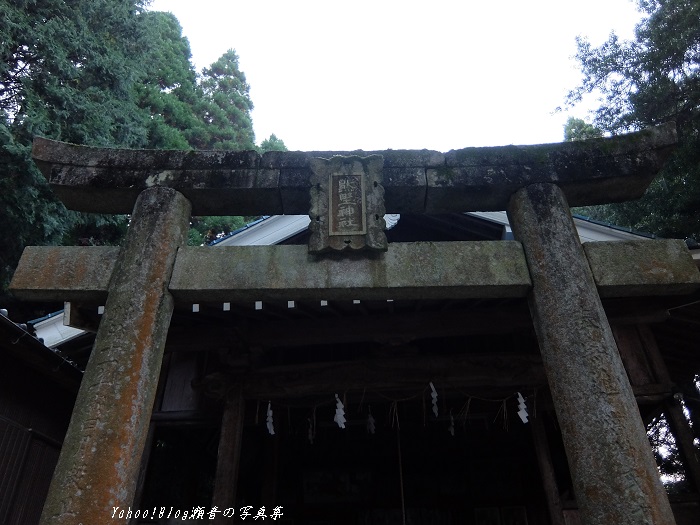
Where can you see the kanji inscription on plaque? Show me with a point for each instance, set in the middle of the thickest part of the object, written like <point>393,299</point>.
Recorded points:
<point>347,204</point>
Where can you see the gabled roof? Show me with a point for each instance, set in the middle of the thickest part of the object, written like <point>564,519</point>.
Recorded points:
<point>269,231</point>
<point>19,345</point>
<point>278,228</point>
<point>53,332</point>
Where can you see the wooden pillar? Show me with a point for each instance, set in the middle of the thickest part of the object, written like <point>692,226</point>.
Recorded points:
<point>271,472</point>
<point>544,461</point>
<point>612,465</point>
<point>230,439</point>
<point>684,440</point>
<point>99,463</point>
<point>674,410</point>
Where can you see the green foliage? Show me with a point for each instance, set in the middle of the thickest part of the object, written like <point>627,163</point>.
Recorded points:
<point>225,107</point>
<point>102,73</point>
<point>168,91</point>
<point>578,129</point>
<point>667,455</point>
<point>651,80</point>
<point>67,72</point>
<point>28,212</point>
<point>186,110</point>
<point>272,143</point>
<point>204,230</point>
<point>648,81</point>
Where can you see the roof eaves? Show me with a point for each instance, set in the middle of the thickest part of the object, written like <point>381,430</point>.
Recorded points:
<point>614,227</point>
<point>239,230</point>
<point>21,344</point>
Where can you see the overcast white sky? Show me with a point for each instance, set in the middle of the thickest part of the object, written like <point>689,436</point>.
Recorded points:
<point>436,74</point>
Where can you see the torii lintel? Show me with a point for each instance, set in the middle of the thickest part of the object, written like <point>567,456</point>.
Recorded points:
<point>597,171</point>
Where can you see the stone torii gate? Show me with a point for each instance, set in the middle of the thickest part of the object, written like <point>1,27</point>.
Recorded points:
<point>613,470</point>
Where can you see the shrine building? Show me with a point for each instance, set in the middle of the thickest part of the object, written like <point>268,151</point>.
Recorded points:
<point>407,337</point>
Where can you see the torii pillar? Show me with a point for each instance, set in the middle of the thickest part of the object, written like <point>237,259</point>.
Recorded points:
<point>99,463</point>
<point>615,477</point>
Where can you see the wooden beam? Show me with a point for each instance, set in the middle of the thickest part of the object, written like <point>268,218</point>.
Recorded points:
<point>327,325</point>
<point>82,317</point>
<point>544,461</point>
<point>651,393</point>
<point>493,371</point>
<point>684,437</point>
<point>633,355</point>
<point>409,373</point>
<point>391,329</point>
<point>229,454</point>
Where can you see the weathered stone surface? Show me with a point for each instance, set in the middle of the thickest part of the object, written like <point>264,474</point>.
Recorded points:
<point>295,184</point>
<point>620,269</point>
<point>472,179</point>
<point>404,189</point>
<point>645,267</point>
<point>50,152</point>
<point>347,204</point>
<point>100,459</point>
<point>590,172</point>
<point>110,190</point>
<point>407,270</point>
<point>60,273</point>
<point>612,465</point>
<point>392,158</point>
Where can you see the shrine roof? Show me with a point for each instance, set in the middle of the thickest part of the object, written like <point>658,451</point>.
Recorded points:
<point>278,228</point>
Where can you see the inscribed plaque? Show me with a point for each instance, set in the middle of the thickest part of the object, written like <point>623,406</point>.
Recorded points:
<point>347,204</point>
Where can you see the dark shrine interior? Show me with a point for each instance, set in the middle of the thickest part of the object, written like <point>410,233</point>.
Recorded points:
<point>474,463</point>
<point>379,357</point>
<point>351,476</point>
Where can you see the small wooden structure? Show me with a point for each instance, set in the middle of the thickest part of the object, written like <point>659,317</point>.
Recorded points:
<point>546,270</point>
<point>37,394</point>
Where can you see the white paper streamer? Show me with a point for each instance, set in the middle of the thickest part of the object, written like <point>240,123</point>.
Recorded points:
<point>434,395</point>
<point>371,424</point>
<point>523,408</point>
<point>339,412</point>
<point>270,425</point>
